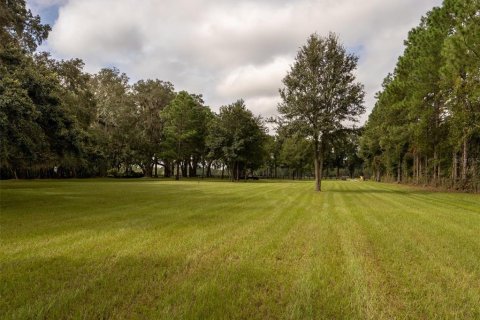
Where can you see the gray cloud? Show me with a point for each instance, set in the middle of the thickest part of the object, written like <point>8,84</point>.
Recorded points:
<point>229,49</point>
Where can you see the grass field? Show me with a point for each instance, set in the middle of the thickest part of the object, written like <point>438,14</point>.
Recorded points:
<point>261,250</point>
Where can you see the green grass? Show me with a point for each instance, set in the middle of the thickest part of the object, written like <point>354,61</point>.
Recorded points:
<point>262,250</point>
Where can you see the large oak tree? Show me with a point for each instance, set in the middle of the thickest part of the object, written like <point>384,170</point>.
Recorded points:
<point>321,96</point>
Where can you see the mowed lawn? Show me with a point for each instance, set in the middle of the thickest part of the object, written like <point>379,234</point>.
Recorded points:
<point>124,249</point>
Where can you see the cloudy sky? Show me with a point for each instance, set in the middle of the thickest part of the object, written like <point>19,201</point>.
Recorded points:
<point>226,49</point>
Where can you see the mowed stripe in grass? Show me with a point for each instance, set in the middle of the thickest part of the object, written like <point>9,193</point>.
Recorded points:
<point>201,249</point>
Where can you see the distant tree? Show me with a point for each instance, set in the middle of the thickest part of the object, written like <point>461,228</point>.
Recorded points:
<point>114,126</point>
<point>212,151</point>
<point>296,155</point>
<point>344,154</point>
<point>185,129</point>
<point>272,148</point>
<point>198,149</point>
<point>151,97</point>
<point>239,137</point>
<point>320,95</point>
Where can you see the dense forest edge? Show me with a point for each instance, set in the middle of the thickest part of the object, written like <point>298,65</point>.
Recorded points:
<point>425,126</point>
<point>58,121</point>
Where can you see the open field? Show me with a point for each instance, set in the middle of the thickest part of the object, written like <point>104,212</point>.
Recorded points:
<point>162,249</point>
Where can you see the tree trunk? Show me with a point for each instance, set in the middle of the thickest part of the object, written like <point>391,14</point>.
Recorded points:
<point>317,167</point>
<point>156,166</point>
<point>148,170</point>
<point>427,180</point>
<point>177,174</point>
<point>320,170</point>
<point>417,167</point>
<point>318,153</point>
<point>473,168</point>
<point>209,169</point>
<point>193,165</point>
<point>237,177</point>
<point>439,172</point>
<point>420,168</point>
<point>317,174</point>
<point>184,168</point>
<point>399,172</point>
<point>414,173</point>
<point>414,169</point>
<point>454,166</point>
<point>167,173</point>
<point>465,160</point>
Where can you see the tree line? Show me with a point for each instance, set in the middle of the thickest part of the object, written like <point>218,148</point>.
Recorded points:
<point>425,126</point>
<point>56,120</point>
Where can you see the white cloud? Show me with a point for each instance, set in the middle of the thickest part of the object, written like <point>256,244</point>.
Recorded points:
<point>264,105</point>
<point>254,80</point>
<point>229,49</point>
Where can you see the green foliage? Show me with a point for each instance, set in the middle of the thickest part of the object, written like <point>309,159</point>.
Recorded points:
<point>58,121</point>
<point>426,121</point>
<point>114,124</point>
<point>151,97</point>
<point>320,94</point>
<point>185,128</point>
<point>238,137</point>
<point>19,27</point>
<point>36,129</point>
